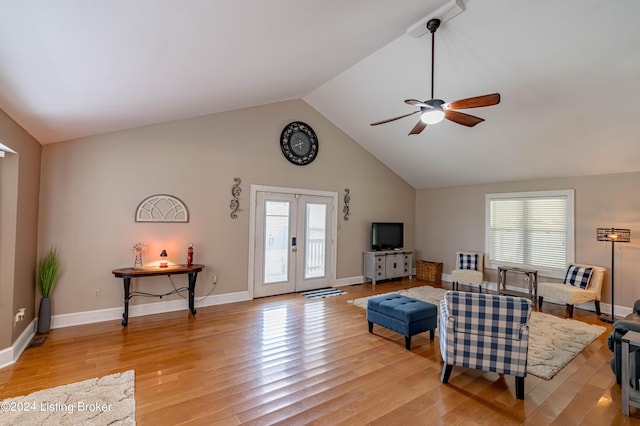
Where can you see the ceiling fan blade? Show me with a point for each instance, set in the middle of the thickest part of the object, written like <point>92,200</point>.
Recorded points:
<point>394,118</point>
<point>462,118</point>
<point>476,102</point>
<point>417,103</point>
<point>419,127</point>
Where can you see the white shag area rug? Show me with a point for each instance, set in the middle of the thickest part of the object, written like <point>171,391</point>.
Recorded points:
<point>553,341</point>
<point>107,400</point>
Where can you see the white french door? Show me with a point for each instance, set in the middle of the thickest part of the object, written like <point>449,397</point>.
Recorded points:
<point>294,234</point>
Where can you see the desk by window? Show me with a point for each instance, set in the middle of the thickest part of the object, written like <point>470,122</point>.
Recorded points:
<point>531,278</point>
<point>127,273</point>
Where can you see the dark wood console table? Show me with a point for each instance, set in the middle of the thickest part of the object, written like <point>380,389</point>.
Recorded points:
<point>127,273</point>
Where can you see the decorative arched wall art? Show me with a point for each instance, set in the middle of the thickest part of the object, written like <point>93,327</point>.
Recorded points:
<point>162,208</point>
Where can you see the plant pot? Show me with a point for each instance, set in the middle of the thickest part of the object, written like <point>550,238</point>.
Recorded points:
<point>44,315</point>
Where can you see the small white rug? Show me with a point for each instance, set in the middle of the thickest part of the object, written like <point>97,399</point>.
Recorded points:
<point>322,292</point>
<point>553,341</point>
<point>107,400</point>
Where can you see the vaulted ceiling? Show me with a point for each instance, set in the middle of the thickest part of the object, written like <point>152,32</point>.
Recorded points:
<point>568,72</point>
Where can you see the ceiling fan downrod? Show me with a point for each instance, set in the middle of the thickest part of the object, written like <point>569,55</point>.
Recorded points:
<point>432,26</point>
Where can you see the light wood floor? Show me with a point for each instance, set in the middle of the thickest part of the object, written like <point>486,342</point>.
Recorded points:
<point>290,360</point>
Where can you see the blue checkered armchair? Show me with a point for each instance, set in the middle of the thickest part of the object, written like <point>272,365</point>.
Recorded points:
<point>485,332</point>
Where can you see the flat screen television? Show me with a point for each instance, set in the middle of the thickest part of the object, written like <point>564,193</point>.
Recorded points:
<point>387,235</point>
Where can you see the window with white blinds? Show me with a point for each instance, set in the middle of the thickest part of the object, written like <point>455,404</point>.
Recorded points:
<point>530,230</point>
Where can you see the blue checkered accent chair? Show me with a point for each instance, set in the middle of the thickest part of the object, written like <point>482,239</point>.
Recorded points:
<point>485,332</point>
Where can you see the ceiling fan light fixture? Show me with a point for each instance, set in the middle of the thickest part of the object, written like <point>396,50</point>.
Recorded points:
<point>432,115</point>
<point>433,111</point>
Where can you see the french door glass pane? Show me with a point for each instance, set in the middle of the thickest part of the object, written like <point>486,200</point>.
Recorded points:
<point>276,242</point>
<point>316,240</point>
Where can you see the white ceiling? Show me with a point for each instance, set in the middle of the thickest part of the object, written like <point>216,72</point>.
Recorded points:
<point>568,72</point>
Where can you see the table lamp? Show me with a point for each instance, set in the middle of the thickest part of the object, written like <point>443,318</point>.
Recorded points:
<point>163,259</point>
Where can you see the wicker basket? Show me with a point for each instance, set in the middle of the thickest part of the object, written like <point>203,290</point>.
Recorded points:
<point>429,271</point>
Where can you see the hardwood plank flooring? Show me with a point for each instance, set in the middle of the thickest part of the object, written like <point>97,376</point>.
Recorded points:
<point>290,360</point>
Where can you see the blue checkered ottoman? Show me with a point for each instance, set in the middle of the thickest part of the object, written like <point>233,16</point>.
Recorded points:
<point>403,315</point>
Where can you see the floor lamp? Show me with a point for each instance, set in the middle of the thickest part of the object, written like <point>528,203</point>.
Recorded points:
<point>614,235</point>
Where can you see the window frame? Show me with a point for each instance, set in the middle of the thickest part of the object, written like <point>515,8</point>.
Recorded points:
<point>570,229</point>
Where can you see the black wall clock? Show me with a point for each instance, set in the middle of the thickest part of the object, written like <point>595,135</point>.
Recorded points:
<point>299,143</point>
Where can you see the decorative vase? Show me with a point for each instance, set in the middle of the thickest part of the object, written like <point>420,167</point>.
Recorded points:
<point>44,315</point>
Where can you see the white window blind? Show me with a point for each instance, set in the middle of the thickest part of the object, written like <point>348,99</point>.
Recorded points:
<point>531,230</point>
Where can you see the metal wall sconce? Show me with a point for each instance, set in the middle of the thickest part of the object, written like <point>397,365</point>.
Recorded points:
<point>347,200</point>
<point>235,203</point>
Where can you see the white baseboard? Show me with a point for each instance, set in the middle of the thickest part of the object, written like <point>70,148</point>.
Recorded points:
<point>605,308</point>
<point>349,281</point>
<point>11,354</point>
<point>89,317</point>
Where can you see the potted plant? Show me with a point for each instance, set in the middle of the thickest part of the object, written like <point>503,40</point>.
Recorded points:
<point>47,273</point>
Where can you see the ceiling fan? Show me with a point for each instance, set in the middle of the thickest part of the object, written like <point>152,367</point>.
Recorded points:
<point>434,110</point>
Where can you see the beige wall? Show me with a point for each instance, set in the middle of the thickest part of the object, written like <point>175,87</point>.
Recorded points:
<point>452,219</point>
<point>89,190</point>
<point>91,187</point>
<point>19,188</point>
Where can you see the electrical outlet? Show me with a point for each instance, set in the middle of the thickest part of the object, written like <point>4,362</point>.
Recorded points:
<point>97,294</point>
<point>19,316</point>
